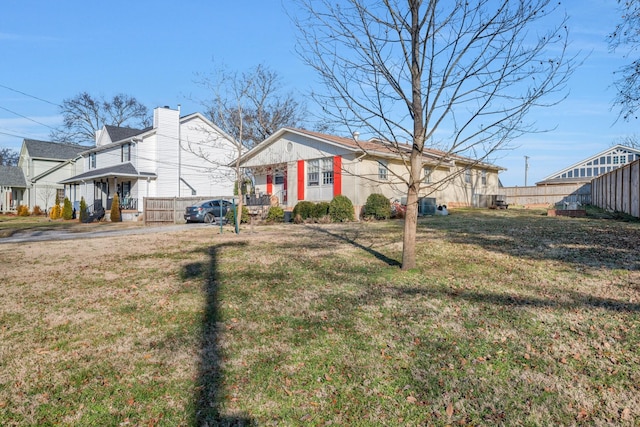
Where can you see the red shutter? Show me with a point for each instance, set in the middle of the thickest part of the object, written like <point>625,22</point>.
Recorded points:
<point>337,176</point>
<point>300,179</point>
<point>269,183</point>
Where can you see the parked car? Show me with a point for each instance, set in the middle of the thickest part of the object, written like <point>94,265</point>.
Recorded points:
<point>208,211</point>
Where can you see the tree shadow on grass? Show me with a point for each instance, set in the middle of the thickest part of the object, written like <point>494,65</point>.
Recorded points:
<point>353,241</point>
<point>210,392</point>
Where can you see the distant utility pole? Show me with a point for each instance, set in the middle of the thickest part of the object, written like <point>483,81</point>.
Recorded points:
<point>526,169</point>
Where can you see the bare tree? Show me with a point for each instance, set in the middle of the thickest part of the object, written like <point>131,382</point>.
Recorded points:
<point>84,114</point>
<point>627,33</point>
<point>453,75</point>
<point>265,108</point>
<point>632,141</point>
<point>249,107</point>
<point>8,157</point>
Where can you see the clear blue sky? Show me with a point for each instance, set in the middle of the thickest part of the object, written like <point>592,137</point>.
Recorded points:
<point>152,50</point>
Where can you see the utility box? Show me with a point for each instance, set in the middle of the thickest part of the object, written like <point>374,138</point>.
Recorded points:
<point>427,206</point>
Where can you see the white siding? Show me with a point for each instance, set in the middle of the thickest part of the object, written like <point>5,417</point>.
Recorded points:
<point>292,147</point>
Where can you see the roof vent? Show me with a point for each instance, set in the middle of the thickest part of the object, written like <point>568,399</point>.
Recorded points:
<point>356,135</point>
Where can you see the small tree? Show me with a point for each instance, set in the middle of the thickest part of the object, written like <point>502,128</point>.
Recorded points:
<point>56,212</point>
<point>115,209</point>
<point>67,210</point>
<point>377,207</point>
<point>84,215</point>
<point>341,209</point>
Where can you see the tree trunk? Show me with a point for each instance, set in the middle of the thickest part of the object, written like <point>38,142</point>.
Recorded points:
<point>410,230</point>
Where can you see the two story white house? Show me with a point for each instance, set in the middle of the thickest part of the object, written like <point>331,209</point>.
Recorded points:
<point>43,164</point>
<point>176,157</point>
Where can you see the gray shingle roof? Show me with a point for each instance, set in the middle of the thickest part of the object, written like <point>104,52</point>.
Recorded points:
<point>12,176</point>
<point>52,150</point>
<point>118,134</point>
<point>124,169</point>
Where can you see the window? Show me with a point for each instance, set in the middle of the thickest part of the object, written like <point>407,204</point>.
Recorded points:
<point>615,160</point>
<point>313,172</point>
<point>60,194</point>
<point>569,174</point>
<point>125,153</point>
<point>427,174</point>
<point>483,177</point>
<point>279,178</point>
<point>383,170</point>
<point>467,176</point>
<point>92,161</point>
<point>327,171</point>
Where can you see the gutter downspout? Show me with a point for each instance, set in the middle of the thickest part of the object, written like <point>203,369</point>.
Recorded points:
<point>179,153</point>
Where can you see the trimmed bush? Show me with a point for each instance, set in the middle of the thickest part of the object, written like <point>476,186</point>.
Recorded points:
<point>304,209</point>
<point>377,207</point>
<point>231,216</point>
<point>320,210</point>
<point>55,212</point>
<point>23,210</point>
<point>84,214</point>
<point>275,214</point>
<point>341,209</point>
<point>115,209</point>
<point>67,210</point>
<point>37,211</point>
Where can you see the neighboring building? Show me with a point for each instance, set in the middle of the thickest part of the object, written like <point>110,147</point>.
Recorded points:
<point>599,164</point>
<point>572,185</point>
<point>12,188</point>
<point>176,157</point>
<point>44,164</point>
<point>296,164</point>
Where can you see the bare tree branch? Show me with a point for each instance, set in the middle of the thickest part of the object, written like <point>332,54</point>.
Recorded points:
<point>455,76</point>
<point>83,115</point>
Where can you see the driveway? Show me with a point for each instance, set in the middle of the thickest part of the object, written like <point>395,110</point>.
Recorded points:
<point>63,234</point>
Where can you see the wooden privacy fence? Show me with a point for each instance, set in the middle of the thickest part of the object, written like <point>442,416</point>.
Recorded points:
<point>548,194</point>
<point>162,210</point>
<point>618,190</point>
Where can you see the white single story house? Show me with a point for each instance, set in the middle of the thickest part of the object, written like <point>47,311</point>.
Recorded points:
<point>176,157</point>
<point>297,164</point>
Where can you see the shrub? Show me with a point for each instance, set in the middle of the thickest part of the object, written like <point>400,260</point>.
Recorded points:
<point>84,214</point>
<point>377,207</point>
<point>275,214</point>
<point>67,211</point>
<point>244,218</point>
<point>320,210</point>
<point>55,212</point>
<point>115,209</point>
<point>304,209</point>
<point>341,209</point>
<point>23,210</point>
<point>37,210</point>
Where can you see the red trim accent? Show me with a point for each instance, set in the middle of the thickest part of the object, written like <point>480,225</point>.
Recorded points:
<point>337,176</point>
<point>300,179</point>
<point>269,183</point>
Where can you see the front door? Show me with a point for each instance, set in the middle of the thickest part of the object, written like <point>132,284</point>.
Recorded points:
<point>280,186</point>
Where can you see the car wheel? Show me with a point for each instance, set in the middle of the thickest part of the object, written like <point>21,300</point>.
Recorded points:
<point>209,218</point>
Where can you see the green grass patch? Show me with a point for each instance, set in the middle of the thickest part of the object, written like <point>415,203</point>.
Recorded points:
<point>510,318</point>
